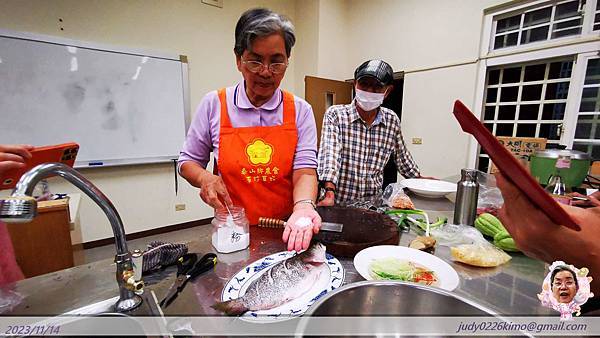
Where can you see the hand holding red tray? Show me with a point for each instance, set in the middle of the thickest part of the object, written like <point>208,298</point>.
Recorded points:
<point>63,153</point>
<point>510,167</point>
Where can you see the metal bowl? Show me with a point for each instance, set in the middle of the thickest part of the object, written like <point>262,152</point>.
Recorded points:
<point>385,299</point>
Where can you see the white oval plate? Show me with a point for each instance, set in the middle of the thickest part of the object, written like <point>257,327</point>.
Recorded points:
<point>331,278</point>
<point>429,188</point>
<point>447,276</point>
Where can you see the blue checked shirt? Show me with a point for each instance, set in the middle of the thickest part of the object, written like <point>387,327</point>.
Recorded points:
<point>353,155</point>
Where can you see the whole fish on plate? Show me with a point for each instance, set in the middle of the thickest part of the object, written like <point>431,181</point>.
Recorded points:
<point>283,282</point>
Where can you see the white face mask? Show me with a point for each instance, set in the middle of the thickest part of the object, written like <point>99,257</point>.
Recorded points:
<point>368,101</point>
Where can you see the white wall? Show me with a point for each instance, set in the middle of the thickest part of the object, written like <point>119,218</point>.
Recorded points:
<point>426,113</point>
<point>305,53</point>
<point>334,40</point>
<point>321,28</point>
<point>144,195</point>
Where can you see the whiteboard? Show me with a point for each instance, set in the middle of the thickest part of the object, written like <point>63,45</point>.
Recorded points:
<point>121,106</point>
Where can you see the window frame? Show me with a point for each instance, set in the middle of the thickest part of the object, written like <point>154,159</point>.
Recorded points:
<point>519,102</point>
<point>583,60</point>
<point>586,29</point>
<point>586,43</point>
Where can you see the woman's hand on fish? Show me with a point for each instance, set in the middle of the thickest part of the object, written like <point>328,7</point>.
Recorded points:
<point>214,192</point>
<point>300,227</point>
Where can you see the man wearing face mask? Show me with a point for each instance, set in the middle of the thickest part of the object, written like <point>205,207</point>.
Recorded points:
<point>358,139</point>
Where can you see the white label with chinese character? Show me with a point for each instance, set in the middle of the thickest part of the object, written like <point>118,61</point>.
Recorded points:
<point>230,238</point>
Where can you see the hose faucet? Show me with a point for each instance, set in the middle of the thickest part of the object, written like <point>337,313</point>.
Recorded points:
<point>21,207</point>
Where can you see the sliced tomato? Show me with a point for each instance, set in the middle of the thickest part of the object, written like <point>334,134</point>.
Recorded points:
<point>426,277</point>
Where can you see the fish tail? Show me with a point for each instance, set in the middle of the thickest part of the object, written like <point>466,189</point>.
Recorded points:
<point>232,307</point>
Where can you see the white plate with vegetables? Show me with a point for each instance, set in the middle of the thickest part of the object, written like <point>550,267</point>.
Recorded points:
<point>391,262</point>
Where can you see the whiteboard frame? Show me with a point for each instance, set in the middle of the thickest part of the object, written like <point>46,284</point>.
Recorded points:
<point>123,50</point>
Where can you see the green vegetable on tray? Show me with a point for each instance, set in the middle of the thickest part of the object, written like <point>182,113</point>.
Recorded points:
<point>438,223</point>
<point>491,226</point>
<point>503,241</point>
<point>404,219</point>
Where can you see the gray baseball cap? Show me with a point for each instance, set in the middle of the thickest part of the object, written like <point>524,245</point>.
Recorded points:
<point>378,69</point>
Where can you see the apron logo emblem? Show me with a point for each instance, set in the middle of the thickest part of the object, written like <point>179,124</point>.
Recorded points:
<point>259,152</point>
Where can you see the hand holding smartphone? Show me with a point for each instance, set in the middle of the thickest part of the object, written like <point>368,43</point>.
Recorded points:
<point>17,160</point>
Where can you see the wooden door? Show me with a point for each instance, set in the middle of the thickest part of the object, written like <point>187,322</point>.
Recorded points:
<point>323,93</point>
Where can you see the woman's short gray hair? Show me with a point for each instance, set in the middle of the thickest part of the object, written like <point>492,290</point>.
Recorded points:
<point>259,22</point>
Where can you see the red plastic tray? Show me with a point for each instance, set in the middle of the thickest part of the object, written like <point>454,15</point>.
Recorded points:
<point>511,168</point>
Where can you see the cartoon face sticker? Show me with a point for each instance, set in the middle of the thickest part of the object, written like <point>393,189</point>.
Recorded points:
<point>565,289</point>
<point>259,152</point>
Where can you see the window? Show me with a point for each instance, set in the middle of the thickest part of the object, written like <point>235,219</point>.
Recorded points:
<point>527,100</point>
<point>597,17</point>
<point>546,90</point>
<point>587,132</point>
<point>540,24</point>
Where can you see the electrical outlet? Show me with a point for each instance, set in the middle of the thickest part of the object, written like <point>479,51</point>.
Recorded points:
<point>179,207</point>
<point>417,140</point>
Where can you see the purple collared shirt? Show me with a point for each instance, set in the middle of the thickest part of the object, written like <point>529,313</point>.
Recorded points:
<point>203,135</point>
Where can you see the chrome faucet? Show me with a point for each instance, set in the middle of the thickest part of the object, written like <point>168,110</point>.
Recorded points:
<point>21,207</point>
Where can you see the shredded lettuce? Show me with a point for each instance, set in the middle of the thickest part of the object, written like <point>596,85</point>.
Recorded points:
<point>392,268</point>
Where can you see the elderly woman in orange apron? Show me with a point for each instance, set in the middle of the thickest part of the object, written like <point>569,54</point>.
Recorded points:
<point>263,138</point>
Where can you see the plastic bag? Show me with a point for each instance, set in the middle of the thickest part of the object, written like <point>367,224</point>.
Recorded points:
<point>373,202</point>
<point>452,235</point>
<point>482,255</point>
<point>468,246</point>
<point>394,196</point>
<point>490,198</point>
<point>9,299</point>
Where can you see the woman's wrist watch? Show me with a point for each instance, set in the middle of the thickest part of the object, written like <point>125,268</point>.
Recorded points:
<point>306,201</point>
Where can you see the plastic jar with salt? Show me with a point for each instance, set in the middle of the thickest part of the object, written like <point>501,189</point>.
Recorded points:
<point>230,231</point>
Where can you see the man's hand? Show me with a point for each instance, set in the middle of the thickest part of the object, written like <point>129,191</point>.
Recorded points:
<point>300,227</point>
<point>328,201</point>
<point>213,191</point>
<point>592,200</point>
<point>13,156</point>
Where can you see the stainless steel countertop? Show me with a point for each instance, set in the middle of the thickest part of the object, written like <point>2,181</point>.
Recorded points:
<point>509,289</point>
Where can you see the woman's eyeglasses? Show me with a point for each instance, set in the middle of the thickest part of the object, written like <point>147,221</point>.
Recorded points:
<point>568,283</point>
<point>257,67</point>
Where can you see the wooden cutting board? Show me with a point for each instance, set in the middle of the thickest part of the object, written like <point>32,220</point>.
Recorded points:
<point>362,229</point>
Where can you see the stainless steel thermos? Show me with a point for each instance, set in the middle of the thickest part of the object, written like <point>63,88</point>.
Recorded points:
<point>465,209</point>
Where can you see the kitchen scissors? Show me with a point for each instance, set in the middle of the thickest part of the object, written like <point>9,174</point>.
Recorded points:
<point>188,267</point>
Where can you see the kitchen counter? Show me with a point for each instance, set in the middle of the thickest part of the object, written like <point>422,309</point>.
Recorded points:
<point>509,289</point>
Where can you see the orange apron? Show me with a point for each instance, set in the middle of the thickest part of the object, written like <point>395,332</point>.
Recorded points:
<point>256,163</point>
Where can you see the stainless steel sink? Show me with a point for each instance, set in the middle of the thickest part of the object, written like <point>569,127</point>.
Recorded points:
<point>388,298</point>
<point>83,319</point>
<point>385,299</point>
<point>124,324</point>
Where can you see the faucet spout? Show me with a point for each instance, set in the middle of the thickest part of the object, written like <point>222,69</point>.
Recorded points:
<point>21,206</point>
